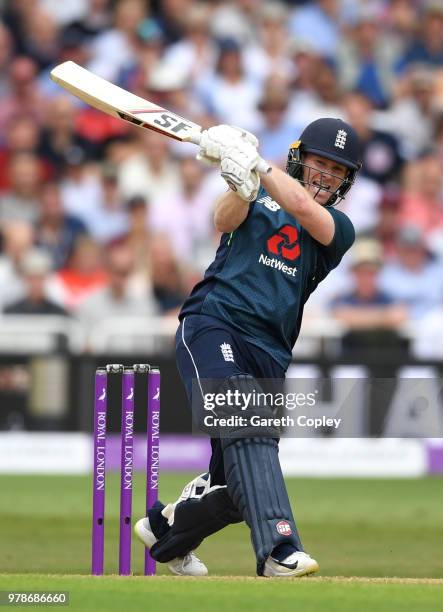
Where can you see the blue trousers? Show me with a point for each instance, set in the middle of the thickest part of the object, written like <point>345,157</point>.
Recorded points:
<point>208,348</point>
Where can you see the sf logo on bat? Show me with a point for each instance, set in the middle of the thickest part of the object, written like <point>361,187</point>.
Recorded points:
<point>166,121</point>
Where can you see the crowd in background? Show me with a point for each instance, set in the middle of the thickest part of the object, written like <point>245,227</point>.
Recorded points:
<point>99,219</point>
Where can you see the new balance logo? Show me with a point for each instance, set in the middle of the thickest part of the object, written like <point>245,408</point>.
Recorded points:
<point>269,203</point>
<point>340,139</point>
<point>227,352</point>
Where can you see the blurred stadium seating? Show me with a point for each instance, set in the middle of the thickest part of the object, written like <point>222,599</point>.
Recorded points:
<point>107,228</point>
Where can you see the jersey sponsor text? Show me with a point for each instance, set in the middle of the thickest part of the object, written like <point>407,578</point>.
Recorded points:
<point>273,262</point>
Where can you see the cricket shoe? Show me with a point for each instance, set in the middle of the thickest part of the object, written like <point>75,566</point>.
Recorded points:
<point>296,564</point>
<point>189,565</point>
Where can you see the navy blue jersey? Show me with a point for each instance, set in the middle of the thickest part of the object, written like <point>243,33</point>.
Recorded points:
<point>264,272</point>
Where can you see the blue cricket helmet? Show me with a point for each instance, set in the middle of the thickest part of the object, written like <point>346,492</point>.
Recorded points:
<point>333,139</point>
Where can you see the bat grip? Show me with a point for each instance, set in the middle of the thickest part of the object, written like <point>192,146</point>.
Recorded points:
<point>262,166</point>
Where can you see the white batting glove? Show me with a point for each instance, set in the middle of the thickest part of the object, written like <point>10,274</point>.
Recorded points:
<point>237,169</point>
<point>216,140</point>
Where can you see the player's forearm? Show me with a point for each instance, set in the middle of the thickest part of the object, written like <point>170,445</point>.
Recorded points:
<point>230,212</point>
<point>287,192</point>
<point>294,198</point>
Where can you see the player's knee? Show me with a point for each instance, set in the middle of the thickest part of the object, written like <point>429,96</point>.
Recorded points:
<point>246,409</point>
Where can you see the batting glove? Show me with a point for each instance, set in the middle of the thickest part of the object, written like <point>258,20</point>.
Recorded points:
<point>216,140</point>
<point>237,169</point>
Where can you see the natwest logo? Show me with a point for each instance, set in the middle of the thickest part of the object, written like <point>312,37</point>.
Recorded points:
<point>277,264</point>
<point>285,243</point>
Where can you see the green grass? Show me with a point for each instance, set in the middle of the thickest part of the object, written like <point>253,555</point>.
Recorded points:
<point>234,594</point>
<point>361,528</point>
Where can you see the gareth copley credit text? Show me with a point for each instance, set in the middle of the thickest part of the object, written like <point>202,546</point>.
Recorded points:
<point>285,421</point>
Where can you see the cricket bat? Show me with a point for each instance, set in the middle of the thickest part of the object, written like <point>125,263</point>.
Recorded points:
<point>118,102</point>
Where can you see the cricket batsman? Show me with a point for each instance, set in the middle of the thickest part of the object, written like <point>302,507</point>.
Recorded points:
<point>281,236</point>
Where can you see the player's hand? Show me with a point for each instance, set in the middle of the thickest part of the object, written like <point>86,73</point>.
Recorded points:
<point>216,140</point>
<point>237,169</point>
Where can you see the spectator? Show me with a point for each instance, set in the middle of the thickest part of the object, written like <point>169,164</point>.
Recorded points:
<point>171,17</point>
<point>17,240</point>
<point>276,124</point>
<point>80,186</point>
<point>236,19</point>
<point>14,14</point>
<point>21,136</point>
<point>21,200</point>
<point>71,48</point>
<point>327,92</point>
<point>362,204</point>
<point>305,62</point>
<point>410,117</point>
<point>66,11</point>
<point>401,18</point>
<point>367,56</point>
<point>59,138</point>
<point>41,38</point>
<point>35,268</point>
<point>24,96</point>
<point>185,214</point>
<point>149,48</point>
<point>427,48</point>
<point>387,223</point>
<point>69,173</point>
<point>138,237</point>
<point>98,129</point>
<point>171,89</point>
<point>170,285</point>
<point>5,59</point>
<point>269,57</point>
<point>83,274</point>
<point>230,82</point>
<point>322,98</point>
<point>108,219</point>
<point>149,171</point>
<point>56,232</point>
<point>422,200</point>
<point>194,56</point>
<point>114,50</point>
<point>94,19</point>
<point>380,151</point>
<point>121,296</point>
<point>366,306</point>
<point>413,278</point>
<point>317,23</point>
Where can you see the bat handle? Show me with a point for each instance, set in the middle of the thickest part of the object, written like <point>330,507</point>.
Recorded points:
<point>262,166</point>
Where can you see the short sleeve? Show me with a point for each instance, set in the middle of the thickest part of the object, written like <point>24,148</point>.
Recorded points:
<point>344,236</point>
<point>328,257</point>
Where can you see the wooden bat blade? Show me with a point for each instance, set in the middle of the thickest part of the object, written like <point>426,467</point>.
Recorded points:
<point>118,102</point>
